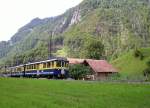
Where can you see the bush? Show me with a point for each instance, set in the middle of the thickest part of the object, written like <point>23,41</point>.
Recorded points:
<point>94,49</point>
<point>146,73</point>
<point>115,76</point>
<point>79,71</point>
<point>139,54</point>
<point>148,63</point>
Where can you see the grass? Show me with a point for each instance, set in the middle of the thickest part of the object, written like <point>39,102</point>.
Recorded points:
<point>32,93</point>
<point>127,64</point>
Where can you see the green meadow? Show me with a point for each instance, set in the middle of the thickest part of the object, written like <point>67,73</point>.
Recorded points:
<point>33,93</point>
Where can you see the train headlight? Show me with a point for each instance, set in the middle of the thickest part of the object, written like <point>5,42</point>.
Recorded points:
<point>62,71</point>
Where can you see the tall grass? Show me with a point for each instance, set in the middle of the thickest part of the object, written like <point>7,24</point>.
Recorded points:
<point>32,93</point>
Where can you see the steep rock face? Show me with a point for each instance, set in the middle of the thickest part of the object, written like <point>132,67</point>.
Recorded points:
<point>76,17</point>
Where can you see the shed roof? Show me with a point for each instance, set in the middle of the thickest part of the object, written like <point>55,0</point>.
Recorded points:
<point>101,66</point>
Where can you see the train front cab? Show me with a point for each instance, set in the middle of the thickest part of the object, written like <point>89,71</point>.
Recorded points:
<point>54,69</point>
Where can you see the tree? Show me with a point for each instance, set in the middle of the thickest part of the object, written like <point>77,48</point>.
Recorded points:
<point>93,49</point>
<point>79,71</point>
<point>146,72</point>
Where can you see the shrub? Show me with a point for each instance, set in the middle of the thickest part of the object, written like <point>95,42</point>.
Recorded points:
<point>115,76</point>
<point>146,73</point>
<point>139,54</point>
<point>148,63</point>
<point>79,71</point>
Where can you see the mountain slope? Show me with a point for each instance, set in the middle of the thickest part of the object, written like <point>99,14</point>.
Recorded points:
<point>130,65</point>
<point>119,25</point>
<point>35,35</point>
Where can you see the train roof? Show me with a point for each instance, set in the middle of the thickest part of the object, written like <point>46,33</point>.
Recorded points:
<point>41,62</point>
<point>54,59</point>
<point>17,66</point>
<point>62,59</point>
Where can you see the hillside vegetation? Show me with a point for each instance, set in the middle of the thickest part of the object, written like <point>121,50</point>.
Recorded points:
<point>130,65</point>
<point>119,25</point>
<point>32,93</point>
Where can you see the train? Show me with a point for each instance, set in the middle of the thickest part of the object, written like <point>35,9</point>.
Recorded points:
<point>52,68</point>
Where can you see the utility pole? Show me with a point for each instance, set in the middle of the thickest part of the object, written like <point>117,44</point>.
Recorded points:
<point>5,68</point>
<point>50,45</point>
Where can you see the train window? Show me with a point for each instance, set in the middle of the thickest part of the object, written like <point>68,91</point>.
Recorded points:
<point>58,63</point>
<point>21,68</point>
<point>52,64</point>
<point>44,65</point>
<point>18,69</point>
<point>67,64</point>
<point>34,66</point>
<point>37,66</point>
<point>62,63</point>
<point>48,65</point>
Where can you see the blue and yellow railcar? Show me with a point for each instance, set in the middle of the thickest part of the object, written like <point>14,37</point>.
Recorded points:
<point>57,68</point>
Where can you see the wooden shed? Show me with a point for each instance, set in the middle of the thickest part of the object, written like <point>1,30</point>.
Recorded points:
<point>101,69</point>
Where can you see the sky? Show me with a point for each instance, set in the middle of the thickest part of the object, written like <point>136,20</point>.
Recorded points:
<point>16,13</point>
